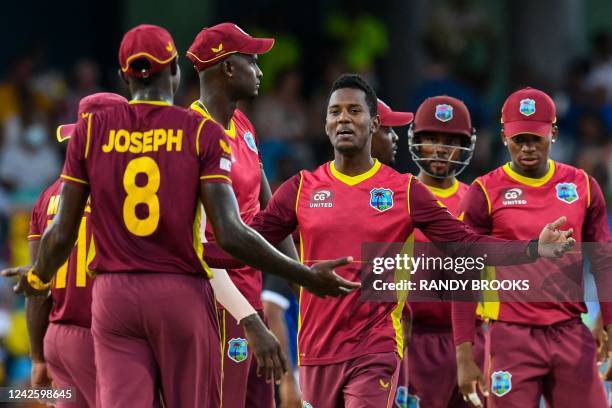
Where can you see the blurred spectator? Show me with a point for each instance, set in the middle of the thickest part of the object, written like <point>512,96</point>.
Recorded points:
<point>85,81</point>
<point>599,79</point>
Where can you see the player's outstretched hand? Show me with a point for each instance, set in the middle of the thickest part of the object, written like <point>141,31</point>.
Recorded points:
<point>325,282</point>
<point>469,380</point>
<point>553,242</point>
<point>22,285</point>
<point>271,361</point>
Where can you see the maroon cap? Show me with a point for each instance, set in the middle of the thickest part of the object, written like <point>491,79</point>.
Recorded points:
<point>90,104</point>
<point>151,42</point>
<point>443,114</point>
<point>215,43</point>
<point>528,110</point>
<point>391,118</point>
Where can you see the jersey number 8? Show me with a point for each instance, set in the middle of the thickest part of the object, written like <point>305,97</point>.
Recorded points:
<point>141,195</point>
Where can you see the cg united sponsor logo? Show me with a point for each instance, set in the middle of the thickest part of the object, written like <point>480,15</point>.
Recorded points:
<point>513,196</point>
<point>322,199</point>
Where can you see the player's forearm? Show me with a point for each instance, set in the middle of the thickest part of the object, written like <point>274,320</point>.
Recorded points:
<point>464,353</point>
<point>276,322</point>
<point>37,320</point>
<point>248,246</point>
<point>55,248</point>
<point>228,295</point>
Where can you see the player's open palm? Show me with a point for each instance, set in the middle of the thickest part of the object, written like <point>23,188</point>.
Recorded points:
<point>469,379</point>
<point>324,281</point>
<point>554,242</point>
<point>271,361</point>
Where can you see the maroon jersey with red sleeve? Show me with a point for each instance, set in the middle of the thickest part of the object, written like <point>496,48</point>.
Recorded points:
<point>438,313</point>
<point>71,288</point>
<point>144,163</point>
<point>336,214</point>
<point>246,181</point>
<point>505,204</point>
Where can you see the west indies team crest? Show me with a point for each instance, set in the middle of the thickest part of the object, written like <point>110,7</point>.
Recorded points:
<point>567,192</point>
<point>237,350</point>
<point>527,107</point>
<point>501,383</point>
<point>250,141</point>
<point>444,112</point>
<point>381,199</point>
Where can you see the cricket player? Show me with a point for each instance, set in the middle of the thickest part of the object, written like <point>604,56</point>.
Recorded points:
<point>61,343</point>
<point>146,165</point>
<point>384,140</point>
<point>349,349</point>
<point>441,141</point>
<point>225,58</point>
<point>537,348</point>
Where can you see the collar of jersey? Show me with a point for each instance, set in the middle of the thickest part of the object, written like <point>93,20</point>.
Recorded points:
<point>159,103</point>
<point>201,109</point>
<point>444,192</point>
<point>353,180</point>
<point>533,182</point>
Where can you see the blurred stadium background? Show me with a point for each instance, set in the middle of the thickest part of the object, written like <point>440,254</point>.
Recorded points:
<point>54,53</point>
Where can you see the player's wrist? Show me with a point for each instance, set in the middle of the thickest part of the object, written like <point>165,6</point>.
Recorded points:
<point>464,353</point>
<point>36,282</point>
<point>251,321</point>
<point>533,249</point>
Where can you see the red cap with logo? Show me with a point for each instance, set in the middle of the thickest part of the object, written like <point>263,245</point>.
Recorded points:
<point>443,114</point>
<point>390,118</point>
<point>213,44</point>
<point>151,42</point>
<point>90,104</point>
<point>528,110</point>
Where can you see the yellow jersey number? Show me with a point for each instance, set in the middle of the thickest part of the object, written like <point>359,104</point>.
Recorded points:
<point>81,262</point>
<point>146,194</point>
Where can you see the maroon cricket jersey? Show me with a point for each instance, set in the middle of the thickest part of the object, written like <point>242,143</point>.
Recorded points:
<point>505,204</point>
<point>246,182</point>
<point>437,313</point>
<point>71,288</point>
<point>336,214</point>
<point>144,163</point>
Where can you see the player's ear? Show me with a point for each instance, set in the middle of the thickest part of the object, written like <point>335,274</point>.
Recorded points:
<point>503,137</point>
<point>122,76</point>
<point>554,133</point>
<point>375,123</point>
<point>227,67</point>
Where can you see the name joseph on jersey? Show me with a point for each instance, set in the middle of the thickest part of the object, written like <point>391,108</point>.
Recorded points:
<point>122,140</point>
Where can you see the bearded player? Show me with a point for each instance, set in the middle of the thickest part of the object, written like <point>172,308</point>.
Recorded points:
<point>535,348</point>
<point>441,141</point>
<point>350,350</point>
<point>225,58</point>
<point>151,277</point>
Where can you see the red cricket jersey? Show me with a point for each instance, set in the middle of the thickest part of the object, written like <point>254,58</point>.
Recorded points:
<point>246,182</point>
<point>505,204</point>
<point>71,290</point>
<point>144,163</point>
<point>336,214</point>
<point>437,313</point>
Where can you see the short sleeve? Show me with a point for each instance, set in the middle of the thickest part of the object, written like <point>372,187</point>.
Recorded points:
<point>214,153</point>
<point>279,219</point>
<point>75,166</point>
<point>37,220</point>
